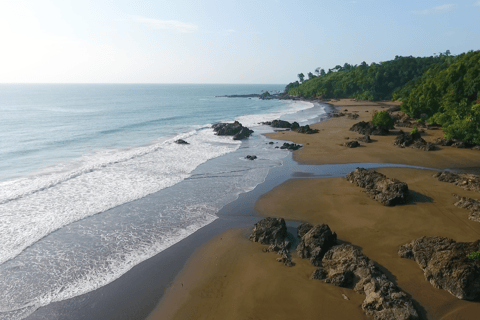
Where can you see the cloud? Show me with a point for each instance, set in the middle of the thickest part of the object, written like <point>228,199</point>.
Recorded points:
<point>178,26</point>
<point>435,10</point>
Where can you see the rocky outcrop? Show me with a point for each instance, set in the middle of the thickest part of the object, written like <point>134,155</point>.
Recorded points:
<point>352,144</point>
<point>269,231</point>
<point>365,139</point>
<point>346,266</point>
<point>303,228</point>
<point>251,157</point>
<point>291,146</point>
<point>389,192</point>
<point>445,264</point>
<point>235,129</point>
<point>367,128</point>
<point>471,204</point>
<point>468,182</point>
<point>413,140</point>
<point>423,145</point>
<point>181,141</point>
<point>314,243</point>
<point>352,116</point>
<point>306,129</point>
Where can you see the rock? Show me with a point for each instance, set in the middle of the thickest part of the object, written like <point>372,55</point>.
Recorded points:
<point>476,147</point>
<point>423,145</point>
<point>251,157</point>
<point>413,140</point>
<point>315,243</point>
<point>290,146</point>
<point>468,182</point>
<point>306,129</point>
<point>445,264</point>
<point>471,204</point>
<point>365,139</point>
<point>367,128</point>
<point>295,126</point>
<point>352,116</point>
<point>389,192</point>
<point>352,144</point>
<point>459,144</point>
<point>303,228</point>
<point>271,231</point>
<point>278,124</point>
<point>346,266</point>
<point>336,114</point>
<point>181,141</point>
<point>270,142</point>
<point>235,129</point>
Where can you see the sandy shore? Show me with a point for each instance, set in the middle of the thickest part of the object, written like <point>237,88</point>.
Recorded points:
<point>231,278</point>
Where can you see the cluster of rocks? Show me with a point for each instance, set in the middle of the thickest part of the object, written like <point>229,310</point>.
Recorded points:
<point>315,241</point>
<point>306,129</point>
<point>470,204</point>
<point>346,266</point>
<point>445,264</point>
<point>351,144</point>
<point>365,139</point>
<point>292,126</point>
<point>413,140</point>
<point>456,144</point>
<point>468,182</point>
<point>235,129</point>
<point>251,157</point>
<point>389,192</point>
<point>342,114</point>
<point>290,146</point>
<point>273,232</point>
<point>370,129</point>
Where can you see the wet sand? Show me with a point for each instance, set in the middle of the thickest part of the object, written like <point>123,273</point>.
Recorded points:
<point>231,278</point>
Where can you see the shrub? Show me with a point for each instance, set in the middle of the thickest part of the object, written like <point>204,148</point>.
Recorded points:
<point>474,255</point>
<point>414,130</point>
<point>383,119</point>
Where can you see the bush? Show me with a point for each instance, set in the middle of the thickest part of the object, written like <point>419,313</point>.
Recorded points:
<point>414,130</point>
<point>383,119</point>
<point>474,255</point>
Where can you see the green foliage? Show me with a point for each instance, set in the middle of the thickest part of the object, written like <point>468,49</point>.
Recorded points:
<point>380,81</point>
<point>450,94</point>
<point>414,130</point>
<point>474,255</point>
<point>383,119</point>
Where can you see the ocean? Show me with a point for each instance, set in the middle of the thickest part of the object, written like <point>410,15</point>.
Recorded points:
<point>69,154</point>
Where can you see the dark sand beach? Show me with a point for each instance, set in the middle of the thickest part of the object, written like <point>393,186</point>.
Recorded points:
<point>230,277</point>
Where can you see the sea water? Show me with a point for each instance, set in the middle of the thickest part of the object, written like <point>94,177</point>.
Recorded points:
<point>92,182</point>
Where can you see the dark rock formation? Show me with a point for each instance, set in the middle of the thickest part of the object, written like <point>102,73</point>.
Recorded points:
<point>352,144</point>
<point>387,191</point>
<point>303,228</point>
<point>306,129</point>
<point>181,141</point>
<point>468,182</point>
<point>269,231</point>
<point>476,148</point>
<point>471,204</point>
<point>251,157</point>
<point>336,114</point>
<point>445,264</point>
<point>290,146</point>
<point>423,145</point>
<point>235,129</point>
<point>315,243</point>
<point>352,116</point>
<point>365,139</point>
<point>367,128</point>
<point>459,144</point>
<point>346,266</point>
<point>282,124</point>
<point>413,140</point>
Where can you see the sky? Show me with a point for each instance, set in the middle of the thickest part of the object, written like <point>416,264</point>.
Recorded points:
<point>227,41</point>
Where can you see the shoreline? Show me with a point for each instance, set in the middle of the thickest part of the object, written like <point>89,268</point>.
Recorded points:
<point>355,217</point>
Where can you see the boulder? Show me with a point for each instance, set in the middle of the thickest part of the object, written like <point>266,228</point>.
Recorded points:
<point>235,129</point>
<point>367,128</point>
<point>389,192</point>
<point>352,116</point>
<point>346,266</point>
<point>423,145</point>
<point>445,264</point>
<point>411,139</point>
<point>352,144</point>
<point>303,228</point>
<point>315,243</point>
<point>471,204</point>
<point>271,231</point>
<point>290,146</point>
<point>468,182</point>
<point>306,129</point>
<point>251,157</point>
<point>365,139</point>
<point>181,141</point>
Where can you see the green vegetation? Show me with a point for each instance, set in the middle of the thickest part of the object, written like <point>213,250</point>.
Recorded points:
<point>414,130</point>
<point>367,82</point>
<point>474,255</point>
<point>383,119</point>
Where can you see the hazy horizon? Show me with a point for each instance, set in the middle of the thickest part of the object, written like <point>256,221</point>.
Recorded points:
<point>212,42</point>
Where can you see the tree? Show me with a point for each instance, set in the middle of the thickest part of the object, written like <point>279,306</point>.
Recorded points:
<point>311,76</point>
<point>317,71</point>
<point>301,77</point>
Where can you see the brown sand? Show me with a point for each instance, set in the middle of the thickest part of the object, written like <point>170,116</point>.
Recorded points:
<point>231,278</point>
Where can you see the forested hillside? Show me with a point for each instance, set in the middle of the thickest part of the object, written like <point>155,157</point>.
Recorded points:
<point>378,81</point>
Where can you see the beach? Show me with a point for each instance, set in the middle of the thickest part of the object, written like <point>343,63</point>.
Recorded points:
<point>229,277</point>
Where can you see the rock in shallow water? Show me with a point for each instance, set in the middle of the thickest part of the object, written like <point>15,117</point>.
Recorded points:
<point>235,129</point>
<point>445,264</point>
<point>389,192</point>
